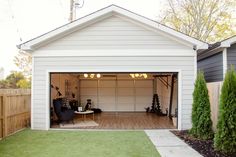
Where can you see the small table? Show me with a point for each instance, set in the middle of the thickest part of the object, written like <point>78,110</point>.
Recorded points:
<point>84,113</point>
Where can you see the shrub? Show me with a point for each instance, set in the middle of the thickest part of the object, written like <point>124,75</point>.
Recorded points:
<point>201,112</point>
<point>225,137</point>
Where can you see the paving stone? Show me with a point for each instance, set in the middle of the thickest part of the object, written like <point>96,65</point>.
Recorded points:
<point>180,151</point>
<point>169,145</point>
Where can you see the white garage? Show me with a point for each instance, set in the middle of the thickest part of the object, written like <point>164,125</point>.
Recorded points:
<point>114,43</point>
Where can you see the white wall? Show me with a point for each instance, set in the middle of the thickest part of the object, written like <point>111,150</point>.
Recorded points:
<point>113,45</point>
<point>114,33</point>
<point>105,64</point>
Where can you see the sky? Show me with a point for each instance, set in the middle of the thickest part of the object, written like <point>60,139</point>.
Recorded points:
<point>26,19</point>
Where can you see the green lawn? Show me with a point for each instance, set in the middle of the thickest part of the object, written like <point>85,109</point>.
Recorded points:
<point>30,143</point>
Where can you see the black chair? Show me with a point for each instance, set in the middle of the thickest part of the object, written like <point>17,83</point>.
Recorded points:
<point>63,116</point>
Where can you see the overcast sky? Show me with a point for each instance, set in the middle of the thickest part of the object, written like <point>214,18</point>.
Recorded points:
<point>26,19</point>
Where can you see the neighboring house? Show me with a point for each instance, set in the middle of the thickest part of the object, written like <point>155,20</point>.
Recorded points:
<point>113,42</point>
<point>214,62</point>
<point>217,59</point>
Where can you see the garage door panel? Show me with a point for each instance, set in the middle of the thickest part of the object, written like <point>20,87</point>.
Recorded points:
<point>144,99</point>
<point>141,107</point>
<point>144,83</point>
<point>144,91</point>
<point>107,99</point>
<point>124,83</point>
<point>88,83</point>
<point>88,91</point>
<point>125,107</point>
<point>107,91</point>
<point>107,83</point>
<point>107,106</point>
<point>118,96</point>
<point>125,91</point>
<point>125,99</point>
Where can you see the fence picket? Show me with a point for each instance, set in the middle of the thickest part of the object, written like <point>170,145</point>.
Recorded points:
<point>14,110</point>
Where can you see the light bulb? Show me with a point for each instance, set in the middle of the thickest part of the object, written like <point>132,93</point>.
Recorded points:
<point>145,76</point>
<point>98,75</point>
<point>85,75</point>
<point>132,75</point>
<point>136,75</point>
<point>91,75</point>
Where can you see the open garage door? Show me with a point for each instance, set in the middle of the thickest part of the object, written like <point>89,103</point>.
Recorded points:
<point>114,94</point>
<point>120,96</point>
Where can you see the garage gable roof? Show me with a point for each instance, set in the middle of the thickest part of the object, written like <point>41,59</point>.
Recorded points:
<point>228,42</point>
<point>103,13</point>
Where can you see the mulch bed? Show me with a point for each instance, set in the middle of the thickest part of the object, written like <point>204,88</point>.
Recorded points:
<point>204,147</point>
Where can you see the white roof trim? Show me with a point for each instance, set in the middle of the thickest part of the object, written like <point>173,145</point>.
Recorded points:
<point>228,42</point>
<point>106,12</point>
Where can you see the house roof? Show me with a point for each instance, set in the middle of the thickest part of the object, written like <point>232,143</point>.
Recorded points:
<point>216,47</point>
<point>104,13</point>
<point>228,42</point>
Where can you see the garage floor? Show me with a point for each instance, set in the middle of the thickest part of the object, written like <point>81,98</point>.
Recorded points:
<point>128,120</point>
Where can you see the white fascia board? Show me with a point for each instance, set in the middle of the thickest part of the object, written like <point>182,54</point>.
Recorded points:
<point>113,53</point>
<point>228,42</point>
<point>225,64</point>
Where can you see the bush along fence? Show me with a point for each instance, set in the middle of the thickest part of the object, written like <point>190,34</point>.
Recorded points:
<point>225,137</point>
<point>14,110</point>
<point>201,112</point>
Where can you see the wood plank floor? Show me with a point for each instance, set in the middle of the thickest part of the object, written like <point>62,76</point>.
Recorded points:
<point>128,120</point>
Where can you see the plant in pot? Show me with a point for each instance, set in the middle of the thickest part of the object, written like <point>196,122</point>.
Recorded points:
<point>174,118</point>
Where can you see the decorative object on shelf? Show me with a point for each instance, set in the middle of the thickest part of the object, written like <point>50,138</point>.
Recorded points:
<point>137,75</point>
<point>57,89</point>
<point>92,75</point>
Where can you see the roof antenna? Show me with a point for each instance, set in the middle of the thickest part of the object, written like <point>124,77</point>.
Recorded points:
<point>74,4</point>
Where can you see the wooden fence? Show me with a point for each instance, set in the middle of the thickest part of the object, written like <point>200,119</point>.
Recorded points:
<point>214,90</point>
<point>14,110</point>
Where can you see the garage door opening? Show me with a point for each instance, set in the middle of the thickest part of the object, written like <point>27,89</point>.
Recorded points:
<point>126,100</point>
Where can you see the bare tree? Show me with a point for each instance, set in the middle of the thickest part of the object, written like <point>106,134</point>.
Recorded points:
<point>23,61</point>
<point>207,20</point>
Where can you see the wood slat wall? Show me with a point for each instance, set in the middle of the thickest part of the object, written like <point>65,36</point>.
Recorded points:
<point>214,90</point>
<point>14,110</point>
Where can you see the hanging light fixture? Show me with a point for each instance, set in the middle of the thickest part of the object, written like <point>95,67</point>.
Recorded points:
<point>92,75</point>
<point>137,75</point>
<point>132,75</point>
<point>145,76</point>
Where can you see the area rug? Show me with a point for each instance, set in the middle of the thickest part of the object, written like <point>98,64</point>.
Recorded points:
<point>79,124</point>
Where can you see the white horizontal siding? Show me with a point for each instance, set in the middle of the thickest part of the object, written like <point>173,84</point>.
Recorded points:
<point>112,64</point>
<point>114,33</point>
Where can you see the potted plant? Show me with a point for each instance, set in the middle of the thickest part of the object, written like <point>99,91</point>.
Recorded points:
<point>174,118</point>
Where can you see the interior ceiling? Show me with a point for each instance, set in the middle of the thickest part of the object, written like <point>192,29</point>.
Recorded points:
<point>115,74</point>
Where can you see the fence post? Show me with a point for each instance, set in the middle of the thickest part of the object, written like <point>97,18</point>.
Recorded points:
<point>4,125</point>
